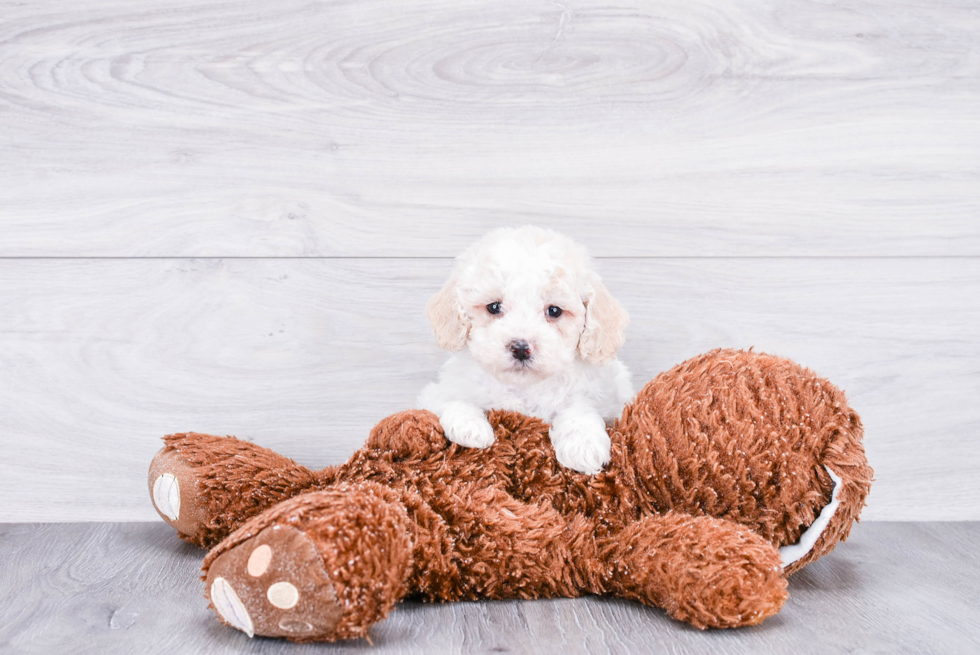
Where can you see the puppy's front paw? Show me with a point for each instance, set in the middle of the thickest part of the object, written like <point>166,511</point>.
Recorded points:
<point>466,425</point>
<point>580,441</point>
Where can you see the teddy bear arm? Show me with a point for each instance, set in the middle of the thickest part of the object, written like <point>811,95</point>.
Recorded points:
<point>411,434</point>
<point>705,571</point>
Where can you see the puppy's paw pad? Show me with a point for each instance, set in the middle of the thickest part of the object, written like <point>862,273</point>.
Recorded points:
<point>582,450</point>
<point>472,434</point>
<point>467,426</point>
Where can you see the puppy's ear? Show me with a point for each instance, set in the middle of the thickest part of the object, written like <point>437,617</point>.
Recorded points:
<point>449,322</point>
<point>605,325</point>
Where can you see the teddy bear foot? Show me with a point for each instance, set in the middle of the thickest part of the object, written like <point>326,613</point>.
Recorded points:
<point>275,585</point>
<point>206,486</point>
<point>321,566</point>
<point>174,490</point>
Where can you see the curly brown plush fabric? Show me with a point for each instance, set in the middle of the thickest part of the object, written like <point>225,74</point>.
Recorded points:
<point>715,464</point>
<point>225,481</point>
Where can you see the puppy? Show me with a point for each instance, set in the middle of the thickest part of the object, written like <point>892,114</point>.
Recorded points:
<point>533,330</point>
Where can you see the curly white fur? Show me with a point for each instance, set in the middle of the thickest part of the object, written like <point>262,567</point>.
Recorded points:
<point>512,354</point>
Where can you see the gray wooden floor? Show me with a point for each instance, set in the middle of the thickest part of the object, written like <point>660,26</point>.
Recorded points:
<point>133,588</point>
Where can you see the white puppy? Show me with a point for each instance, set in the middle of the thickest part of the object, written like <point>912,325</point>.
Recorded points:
<point>540,333</point>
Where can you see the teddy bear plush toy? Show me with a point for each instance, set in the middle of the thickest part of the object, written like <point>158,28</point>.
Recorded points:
<point>729,472</point>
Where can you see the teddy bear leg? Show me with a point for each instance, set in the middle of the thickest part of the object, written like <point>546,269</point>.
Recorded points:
<point>206,486</point>
<point>708,572</point>
<point>322,566</point>
<point>486,544</point>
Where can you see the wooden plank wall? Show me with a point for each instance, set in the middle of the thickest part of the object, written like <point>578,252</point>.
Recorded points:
<point>227,216</point>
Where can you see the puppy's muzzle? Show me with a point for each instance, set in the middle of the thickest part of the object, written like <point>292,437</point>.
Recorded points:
<point>520,350</point>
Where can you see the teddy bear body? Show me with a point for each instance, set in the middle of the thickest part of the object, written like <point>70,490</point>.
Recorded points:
<point>715,465</point>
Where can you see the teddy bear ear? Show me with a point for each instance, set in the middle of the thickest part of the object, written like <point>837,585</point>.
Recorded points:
<point>605,325</point>
<point>447,318</point>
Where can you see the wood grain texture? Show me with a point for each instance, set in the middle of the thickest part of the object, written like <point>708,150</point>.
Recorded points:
<point>382,128</point>
<point>133,588</point>
<point>101,358</point>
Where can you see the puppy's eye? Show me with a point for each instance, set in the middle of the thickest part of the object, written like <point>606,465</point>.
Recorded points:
<point>554,311</point>
<point>494,308</point>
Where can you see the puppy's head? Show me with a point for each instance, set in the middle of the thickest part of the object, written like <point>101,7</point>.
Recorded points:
<point>526,302</point>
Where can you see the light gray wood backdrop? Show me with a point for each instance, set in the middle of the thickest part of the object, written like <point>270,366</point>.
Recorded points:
<point>227,216</point>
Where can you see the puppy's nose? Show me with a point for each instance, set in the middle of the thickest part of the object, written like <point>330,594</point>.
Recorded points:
<point>521,350</point>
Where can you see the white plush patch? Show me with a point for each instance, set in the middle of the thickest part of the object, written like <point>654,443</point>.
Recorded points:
<point>258,561</point>
<point>166,496</point>
<point>808,539</point>
<point>230,607</point>
<point>283,595</point>
<point>295,626</point>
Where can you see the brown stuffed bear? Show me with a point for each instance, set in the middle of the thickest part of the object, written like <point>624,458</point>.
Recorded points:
<point>715,465</point>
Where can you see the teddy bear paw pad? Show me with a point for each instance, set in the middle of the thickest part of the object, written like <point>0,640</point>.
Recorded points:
<point>274,584</point>
<point>230,606</point>
<point>174,491</point>
<point>166,496</point>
